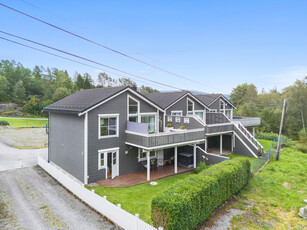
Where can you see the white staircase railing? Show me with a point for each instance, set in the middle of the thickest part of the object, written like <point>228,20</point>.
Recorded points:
<point>249,136</point>
<point>201,121</point>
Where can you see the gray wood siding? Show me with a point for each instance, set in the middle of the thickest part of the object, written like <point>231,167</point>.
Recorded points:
<point>66,143</point>
<point>127,162</point>
<point>182,105</point>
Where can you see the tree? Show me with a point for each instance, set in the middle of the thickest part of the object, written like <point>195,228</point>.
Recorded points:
<point>88,81</point>
<point>243,93</point>
<point>19,90</point>
<point>147,89</point>
<point>104,80</point>
<point>126,82</point>
<point>4,85</point>
<point>60,93</point>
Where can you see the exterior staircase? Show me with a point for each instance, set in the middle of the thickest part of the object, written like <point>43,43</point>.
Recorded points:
<point>251,140</point>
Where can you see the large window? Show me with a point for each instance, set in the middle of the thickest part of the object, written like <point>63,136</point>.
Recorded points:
<point>134,115</point>
<point>200,114</point>
<point>133,109</point>
<point>108,126</point>
<point>190,109</point>
<point>151,121</point>
<point>223,109</point>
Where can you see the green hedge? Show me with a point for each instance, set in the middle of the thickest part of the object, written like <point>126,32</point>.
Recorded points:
<point>191,201</point>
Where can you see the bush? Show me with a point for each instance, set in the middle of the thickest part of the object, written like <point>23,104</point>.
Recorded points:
<point>302,147</point>
<point>169,125</point>
<point>267,136</point>
<point>191,201</point>
<point>182,127</point>
<point>200,168</point>
<point>4,123</point>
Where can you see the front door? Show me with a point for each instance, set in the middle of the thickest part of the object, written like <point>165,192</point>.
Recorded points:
<point>114,164</point>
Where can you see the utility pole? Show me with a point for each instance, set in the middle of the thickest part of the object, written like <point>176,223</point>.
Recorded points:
<point>280,129</point>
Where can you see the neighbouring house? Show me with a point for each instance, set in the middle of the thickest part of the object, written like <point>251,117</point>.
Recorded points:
<point>106,133</point>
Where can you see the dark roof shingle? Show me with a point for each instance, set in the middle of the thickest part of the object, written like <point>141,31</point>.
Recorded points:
<point>165,99</point>
<point>207,99</point>
<point>82,100</point>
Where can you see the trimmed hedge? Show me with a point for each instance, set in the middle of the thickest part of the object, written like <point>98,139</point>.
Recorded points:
<point>191,201</point>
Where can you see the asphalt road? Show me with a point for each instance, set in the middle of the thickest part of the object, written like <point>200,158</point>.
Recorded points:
<point>12,158</point>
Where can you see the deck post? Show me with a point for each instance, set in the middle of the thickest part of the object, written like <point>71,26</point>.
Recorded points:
<point>148,165</point>
<point>221,144</point>
<point>206,144</point>
<point>254,131</point>
<point>194,155</point>
<point>175,160</point>
<point>231,142</point>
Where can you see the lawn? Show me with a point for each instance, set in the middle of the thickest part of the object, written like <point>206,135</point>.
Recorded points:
<point>276,194</point>
<point>137,199</point>
<point>23,122</point>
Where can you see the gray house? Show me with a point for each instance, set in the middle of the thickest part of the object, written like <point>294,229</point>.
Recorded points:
<point>104,133</point>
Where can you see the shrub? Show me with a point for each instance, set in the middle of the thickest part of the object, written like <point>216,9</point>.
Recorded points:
<point>169,125</point>
<point>192,200</point>
<point>200,167</point>
<point>4,123</point>
<point>182,127</point>
<point>267,136</point>
<point>302,147</point>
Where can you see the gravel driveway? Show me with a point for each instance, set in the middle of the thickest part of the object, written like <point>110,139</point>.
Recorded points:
<point>12,158</point>
<point>31,199</point>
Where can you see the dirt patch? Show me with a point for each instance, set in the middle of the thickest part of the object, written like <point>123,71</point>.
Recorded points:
<point>24,137</point>
<point>286,185</point>
<point>221,218</point>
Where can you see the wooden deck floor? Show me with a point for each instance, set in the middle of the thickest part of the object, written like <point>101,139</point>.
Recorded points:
<point>141,176</point>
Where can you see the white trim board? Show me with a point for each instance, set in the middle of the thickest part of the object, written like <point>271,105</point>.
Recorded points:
<point>119,93</point>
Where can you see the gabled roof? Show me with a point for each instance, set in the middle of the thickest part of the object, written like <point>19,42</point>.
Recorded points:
<point>85,100</point>
<point>165,100</point>
<point>208,99</point>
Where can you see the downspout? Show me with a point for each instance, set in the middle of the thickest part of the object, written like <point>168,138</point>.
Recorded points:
<point>85,152</point>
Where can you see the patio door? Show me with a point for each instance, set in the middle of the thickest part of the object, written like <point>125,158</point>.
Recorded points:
<point>114,156</point>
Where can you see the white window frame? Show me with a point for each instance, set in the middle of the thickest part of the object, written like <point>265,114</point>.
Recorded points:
<point>169,118</point>
<point>108,116</point>
<point>145,158</point>
<point>174,112</point>
<point>177,119</point>
<point>200,111</point>
<point>105,155</point>
<point>139,114</point>
<point>188,99</point>
<point>133,114</point>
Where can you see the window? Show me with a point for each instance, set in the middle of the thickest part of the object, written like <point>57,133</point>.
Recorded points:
<point>177,119</point>
<point>227,112</point>
<point>169,119</point>
<point>108,126</point>
<point>143,154</point>
<point>176,113</point>
<point>133,106</point>
<point>200,114</point>
<point>190,109</point>
<point>102,160</point>
<point>151,121</point>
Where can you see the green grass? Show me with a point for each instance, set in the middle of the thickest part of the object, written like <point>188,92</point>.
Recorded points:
<point>137,199</point>
<point>265,143</point>
<point>23,123</point>
<point>276,206</point>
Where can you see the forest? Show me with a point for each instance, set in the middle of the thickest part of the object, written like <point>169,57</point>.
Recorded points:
<point>34,89</point>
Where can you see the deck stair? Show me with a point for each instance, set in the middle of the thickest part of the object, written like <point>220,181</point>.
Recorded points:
<point>250,137</point>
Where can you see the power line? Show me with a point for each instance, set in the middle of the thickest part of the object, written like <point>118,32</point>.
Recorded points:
<point>43,51</point>
<point>89,60</point>
<point>106,47</point>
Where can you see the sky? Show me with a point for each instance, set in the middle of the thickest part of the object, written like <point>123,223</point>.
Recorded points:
<point>217,44</point>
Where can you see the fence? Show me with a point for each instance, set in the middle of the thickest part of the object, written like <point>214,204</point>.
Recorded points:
<point>266,156</point>
<point>114,212</point>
